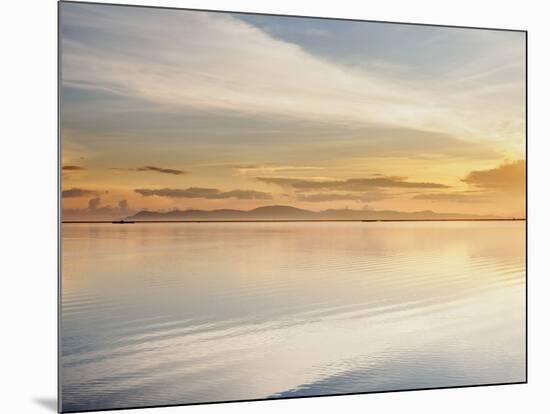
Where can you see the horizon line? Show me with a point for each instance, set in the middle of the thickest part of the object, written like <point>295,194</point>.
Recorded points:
<point>283,220</point>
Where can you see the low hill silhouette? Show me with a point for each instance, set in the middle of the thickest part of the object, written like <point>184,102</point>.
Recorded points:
<point>293,213</point>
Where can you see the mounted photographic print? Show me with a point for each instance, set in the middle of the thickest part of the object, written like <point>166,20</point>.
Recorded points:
<point>261,206</point>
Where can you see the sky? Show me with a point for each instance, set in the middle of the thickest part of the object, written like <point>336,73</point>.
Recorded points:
<point>173,109</point>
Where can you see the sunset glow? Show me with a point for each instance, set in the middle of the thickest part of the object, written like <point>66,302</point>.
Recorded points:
<point>166,110</point>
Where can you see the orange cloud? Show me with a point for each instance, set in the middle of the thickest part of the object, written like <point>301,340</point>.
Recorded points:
<point>506,177</point>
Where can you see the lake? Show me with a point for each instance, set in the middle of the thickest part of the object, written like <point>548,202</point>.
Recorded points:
<point>175,313</point>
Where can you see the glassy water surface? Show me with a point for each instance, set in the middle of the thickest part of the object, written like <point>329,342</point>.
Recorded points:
<point>156,314</point>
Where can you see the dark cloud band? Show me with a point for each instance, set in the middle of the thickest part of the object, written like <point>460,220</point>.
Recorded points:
<point>77,192</point>
<point>162,170</point>
<point>352,184</point>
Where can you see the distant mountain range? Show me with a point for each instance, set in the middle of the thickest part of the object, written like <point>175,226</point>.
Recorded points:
<point>292,213</point>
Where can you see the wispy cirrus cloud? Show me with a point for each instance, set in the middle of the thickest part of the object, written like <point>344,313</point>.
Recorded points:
<point>240,68</point>
<point>206,193</point>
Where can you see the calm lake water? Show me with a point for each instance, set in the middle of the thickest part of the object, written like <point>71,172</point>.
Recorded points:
<point>158,314</point>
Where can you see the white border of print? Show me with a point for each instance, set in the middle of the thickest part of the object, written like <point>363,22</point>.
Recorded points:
<point>28,207</point>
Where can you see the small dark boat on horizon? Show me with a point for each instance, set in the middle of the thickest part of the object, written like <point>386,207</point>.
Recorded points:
<point>122,222</point>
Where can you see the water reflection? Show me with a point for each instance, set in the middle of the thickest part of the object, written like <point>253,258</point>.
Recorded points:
<point>180,313</point>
